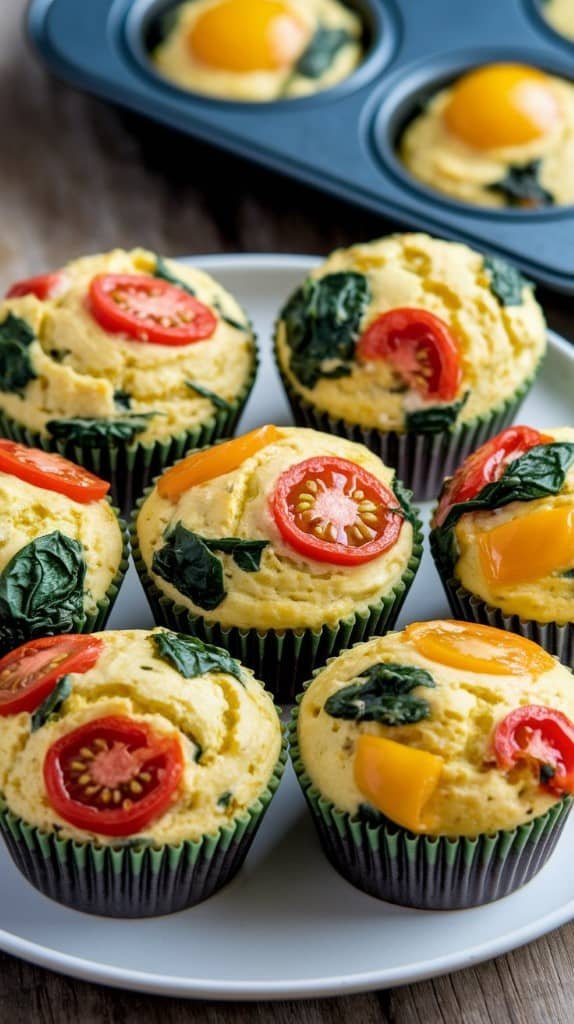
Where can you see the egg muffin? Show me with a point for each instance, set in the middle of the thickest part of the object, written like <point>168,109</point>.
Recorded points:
<point>438,763</point>
<point>63,550</point>
<point>282,546</point>
<point>258,50</point>
<point>123,361</point>
<point>560,15</point>
<point>419,348</point>
<point>503,536</point>
<point>135,768</point>
<point>502,135</point>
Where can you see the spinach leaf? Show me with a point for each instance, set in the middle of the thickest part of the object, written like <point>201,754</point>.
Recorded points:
<point>42,589</point>
<point>568,575</point>
<point>219,403</point>
<point>322,322</point>
<point>384,697</point>
<point>163,271</point>
<point>228,319</point>
<point>521,186</point>
<point>506,283</point>
<point>52,704</point>
<point>245,553</point>
<point>321,51</point>
<point>188,564</point>
<point>404,496</point>
<point>225,799</point>
<point>192,657</point>
<point>434,419</point>
<point>98,433</point>
<point>123,399</point>
<point>16,369</point>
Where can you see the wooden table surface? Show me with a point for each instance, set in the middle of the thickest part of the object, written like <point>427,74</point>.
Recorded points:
<point>76,177</point>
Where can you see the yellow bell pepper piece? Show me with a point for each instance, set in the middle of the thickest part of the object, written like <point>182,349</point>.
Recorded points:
<point>213,462</point>
<point>476,648</point>
<point>527,549</point>
<point>398,780</point>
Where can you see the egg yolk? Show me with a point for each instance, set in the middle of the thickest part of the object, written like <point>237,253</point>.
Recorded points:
<point>502,105</point>
<point>529,548</point>
<point>477,648</point>
<point>248,35</point>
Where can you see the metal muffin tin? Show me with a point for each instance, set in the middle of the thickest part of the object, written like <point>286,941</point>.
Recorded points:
<point>341,140</point>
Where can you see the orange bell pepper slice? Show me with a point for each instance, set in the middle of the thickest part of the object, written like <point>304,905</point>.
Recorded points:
<point>475,648</point>
<point>201,466</point>
<point>528,548</point>
<point>396,779</point>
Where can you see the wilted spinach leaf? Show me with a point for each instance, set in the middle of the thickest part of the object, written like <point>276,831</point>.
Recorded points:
<point>506,283</point>
<point>434,419</point>
<point>16,369</point>
<point>322,322</point>
<point>225,799</point>
<point>123,399</point>
<point>229,319</point>
<point>521,186</point>
<point>52,704</point>
<point>192,657</point>
<point>245,553</point>
<point>219,403</point>
<point>321,51</point>
<point>163,271</point>
<point>98,433</point>
<point>384,697</point>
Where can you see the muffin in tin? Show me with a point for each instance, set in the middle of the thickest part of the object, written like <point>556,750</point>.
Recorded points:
<point>257,50</point>
<point>503,536</point>
<point>420,348</point>
<point>122,361</point>
<point>283,546</point>
<point>63,550</point>
<point>438,762</point>
<point>135,768</point>
<point>502,135</point>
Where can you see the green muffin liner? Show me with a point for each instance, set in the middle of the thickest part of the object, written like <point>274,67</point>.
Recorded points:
<point>429,872</point>
<point>131,467</point>
<point>555,637</point>
<point>421,461</point>
<point>88,622</point>
<point>134,879</point>
<point>283,659</point>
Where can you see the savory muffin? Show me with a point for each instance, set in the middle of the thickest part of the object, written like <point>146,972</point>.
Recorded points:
<point>502,135</point>
<point>62,548</point>
<point>436,760</point>
<point>419,347</point>
<point>148,743</point>
<point>123,360</point>
<point>282,545</point>
<point>258,50</point>
<point>503,536</point>
<point>560,15</point>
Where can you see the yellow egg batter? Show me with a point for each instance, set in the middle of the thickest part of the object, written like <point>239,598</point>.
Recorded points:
<point>289,591</point>
<point>473,796</point>
<point>560,14</point>
<point>234,725</point>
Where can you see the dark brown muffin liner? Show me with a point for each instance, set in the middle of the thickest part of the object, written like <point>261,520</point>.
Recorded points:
<point>134,879</point>
<point>429,872</point>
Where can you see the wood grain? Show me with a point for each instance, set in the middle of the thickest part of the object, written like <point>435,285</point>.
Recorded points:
<point>75,177</point>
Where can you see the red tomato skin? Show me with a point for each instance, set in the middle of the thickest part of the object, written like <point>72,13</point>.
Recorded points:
<point>400,336</point>
<point>324,551</point>
<point>52,472</point>
<point>84,655</point>
<point>552,744</point>
<point>113,319</point>
<point>43,286</point>
<point>117,822</point>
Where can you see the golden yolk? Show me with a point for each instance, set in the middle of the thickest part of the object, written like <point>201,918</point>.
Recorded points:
<point>398,780</point>
<point>476,648</point>
<point>502,105</point>
<point>248,35</point>
<point>530,548</point>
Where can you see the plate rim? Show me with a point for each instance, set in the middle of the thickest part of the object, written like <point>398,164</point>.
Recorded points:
<point>264,989</point>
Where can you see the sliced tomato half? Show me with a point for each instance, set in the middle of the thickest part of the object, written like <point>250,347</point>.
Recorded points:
<point>113,776</point>
<point>51,471</point>
<point>147,308</point>
<point>332,510</point>
<point>541,737</point>
<point>29,674</point>
<point>420,347</point>
<point>43,286</point>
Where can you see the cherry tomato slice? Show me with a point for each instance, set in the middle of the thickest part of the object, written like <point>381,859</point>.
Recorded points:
<point>113,776</point>
<point>51,471</point>
<point>331,510</point>
<point>149,309</point>
<point>421,349</point>
<point>486,465</point>
<point>541,737</point>
<point>29,674</point>
<point>44,286</point>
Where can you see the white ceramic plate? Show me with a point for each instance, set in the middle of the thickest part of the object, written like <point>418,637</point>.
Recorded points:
<point>289,926</point>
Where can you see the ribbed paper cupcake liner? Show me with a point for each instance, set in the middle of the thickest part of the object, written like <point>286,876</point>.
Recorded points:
<point>131,467</point>
<point>283,659</point>
<point>134,880</point>
<point>555,637</point>
<point>421,461</point>
<point>88,622</point>
<point>429,872</point>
